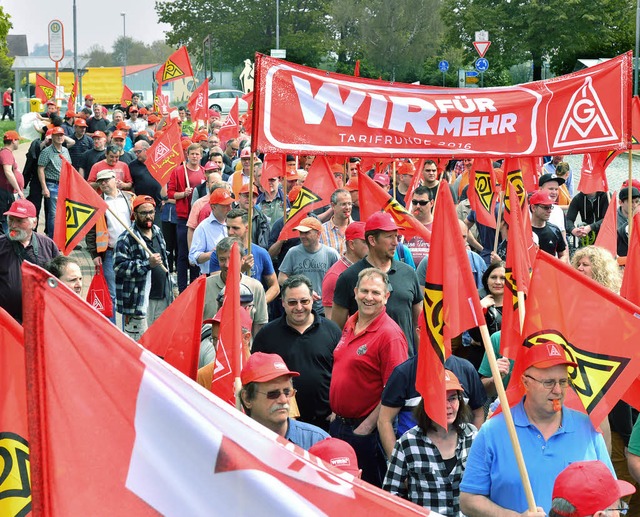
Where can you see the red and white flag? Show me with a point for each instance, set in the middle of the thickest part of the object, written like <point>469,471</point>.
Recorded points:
<point>230,126</point>
<point>197,104</point>
<point>151,441</point>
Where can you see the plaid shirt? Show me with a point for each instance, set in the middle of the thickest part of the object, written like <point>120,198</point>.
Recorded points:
<point>332,236</point>
<point>417,471</point>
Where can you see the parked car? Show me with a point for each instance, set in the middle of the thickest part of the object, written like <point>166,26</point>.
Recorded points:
<point>222,100</point>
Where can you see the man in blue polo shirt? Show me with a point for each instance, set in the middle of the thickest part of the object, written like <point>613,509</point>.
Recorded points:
<point>551,437</point>
<point>266,392</point>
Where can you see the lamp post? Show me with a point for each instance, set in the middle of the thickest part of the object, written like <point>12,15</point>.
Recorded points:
<point>124,41</point>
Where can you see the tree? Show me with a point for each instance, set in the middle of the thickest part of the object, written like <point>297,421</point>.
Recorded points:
<point>98,56</point>
<point>6,74</point>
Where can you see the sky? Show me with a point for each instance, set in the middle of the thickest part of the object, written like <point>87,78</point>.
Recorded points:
<point>98,22</point>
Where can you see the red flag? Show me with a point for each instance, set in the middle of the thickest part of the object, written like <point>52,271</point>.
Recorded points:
<point>518,274</point>
<point>513,174</point>
<point>73,96</point>
<point>373,198</point>
<point>125,98</point>
<point>415,182</point>
<point>530,167</point>
<point>604,346</point>
<point>230,125</point>
<point>78,209</point>
<point>165,154</point>
<point>176,67</point>
<point>273,166</point>
<point>593,177</point>
<point>45,90</point>
<point>154,442</point>
<point>356,69</point>
<point>156,99</point>
<point>631,279</point>
<point>229,349</point>
<point>197,104</point>
<point>451,304</point>
<point>315,192</point>
<point>179,344</point>
<point>482,191</point>
<point>248,121</point>
<point>15,484</point>
<point>608,234</point>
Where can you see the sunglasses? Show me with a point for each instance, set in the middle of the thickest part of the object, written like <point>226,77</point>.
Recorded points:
<point>275,394</point>
<point>294,303</point>
<point>415,202</point>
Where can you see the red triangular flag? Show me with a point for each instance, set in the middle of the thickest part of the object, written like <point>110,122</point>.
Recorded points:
<point>230,127</point>
<point>154,442</point>
<point>45,90</point>
<point>229,349</point>
<point>513,174</point>
<point>273,166</point>
<point>373,198</point>
<point>415,182</point>
<point>530,167</point>
<point>175,335</point>
<point>356,69</point>
<point>482,191</point>
<point>593,177</point>
<point>73,96</point>
<point>604,347</point>
<point>315,192</point>
<point>198,102</point>
<point>78,209</point>
<point>176,67</point>
<point>165,154</point>
<point>248,121</point>
<point>608,234</point>
<point>125,98</point>
<point>630,289</point>
<point>451,304</point>
<point>518,274</point>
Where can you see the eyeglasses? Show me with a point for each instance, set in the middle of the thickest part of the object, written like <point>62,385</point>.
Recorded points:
<point>294,303</point>
<point>549,384</point>
<point>624,508</point>
<point>415,202</point>
<point>546,207</point>
<point>275,394</point>
<point>148,213</point>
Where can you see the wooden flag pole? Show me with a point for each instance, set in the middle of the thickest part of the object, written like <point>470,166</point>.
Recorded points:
<point>497,237</point>
<point>250,208</point>
<point>137,239</point>
<point>394,180</point>
<point>508,417</point>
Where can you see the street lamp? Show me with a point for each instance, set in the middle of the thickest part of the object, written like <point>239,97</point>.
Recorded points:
<point>124,41</point>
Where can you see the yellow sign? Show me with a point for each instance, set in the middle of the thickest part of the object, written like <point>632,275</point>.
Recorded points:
<point>15,478</point>
<point>171,71</point>
<point>432,306</point>
<point>305,198</point>
<point>78,214</point>
<point>471,80</point>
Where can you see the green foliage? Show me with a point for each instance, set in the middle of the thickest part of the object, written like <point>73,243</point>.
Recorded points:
<point>6,75</point>
<point>138,53</point>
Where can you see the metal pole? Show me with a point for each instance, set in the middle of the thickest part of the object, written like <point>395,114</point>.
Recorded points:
<point>75,53</point>
<point>278,24</point>
<point>124,41</point>
<point>635,63</point>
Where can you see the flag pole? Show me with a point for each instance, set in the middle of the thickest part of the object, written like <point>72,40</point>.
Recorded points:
<point>508,417</point>
<point>497,237</point>
<point>250,210</point>
<point>394,180</point>
<point>136,238</point>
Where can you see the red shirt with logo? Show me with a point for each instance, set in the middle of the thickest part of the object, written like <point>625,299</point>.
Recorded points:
<point>362,364</point>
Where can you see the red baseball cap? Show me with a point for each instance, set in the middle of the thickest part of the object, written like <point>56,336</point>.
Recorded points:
<point>11,135</point>
<point>153,119</point>
<point>293,193</point>
<point>186,143</point>
<point>354,231</point>
<point>122,125</point>
<point>541,197</point>
<point>451,382</point>
<point>88,97</point>
<point>211,166</point>
<point>352,184</point>
<point>80,122</point>
<point>220,196</point>
<point>70,114</point>
<point>308,224</point>
<point>199,137</point>
<point>57,131</point>
<point>143,111</point>
<point>245,189</point>
<point>337,168</point>
<point>406,168</point>
<point>337,453</point>
<point>381,179</point>
<point>99,134</point>
<point>590,487</point>
<point>380,221</point>
<point>546,355</point>
<point>22,208</point>
<point>141,200</point>
<point>263,367</point>
<point>119,134</point>
<point>245,153</point>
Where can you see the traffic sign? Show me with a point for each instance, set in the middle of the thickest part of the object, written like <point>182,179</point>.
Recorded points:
<point>443,66</point>
<point>280,53</point>
<point>482,36</point>
<point>471,73</point>
<point>56,40</point>
<point>481,47</point>
<point>482,65</point>
<point>471,80</point>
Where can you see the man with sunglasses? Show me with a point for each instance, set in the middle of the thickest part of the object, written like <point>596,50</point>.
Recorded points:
<point>551,437</point>
<point>267,389</point>
<point>587,488</point>
<point>421,208</point>
<point>545,234</point>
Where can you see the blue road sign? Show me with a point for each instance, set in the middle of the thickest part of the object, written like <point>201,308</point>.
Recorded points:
<point>482,65</point>
<point>443,66</point>
<point>471,73</point>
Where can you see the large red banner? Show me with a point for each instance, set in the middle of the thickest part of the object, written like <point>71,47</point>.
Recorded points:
<point>304,110</point>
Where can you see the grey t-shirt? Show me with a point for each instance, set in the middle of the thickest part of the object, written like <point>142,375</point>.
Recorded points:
<point>314,266</point>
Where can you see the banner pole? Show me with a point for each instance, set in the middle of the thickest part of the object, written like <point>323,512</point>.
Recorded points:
<point>497,237</point>
<point>394,180</point>
<point>250,209</point>
<point>508,417</point>
<point>136,238</point>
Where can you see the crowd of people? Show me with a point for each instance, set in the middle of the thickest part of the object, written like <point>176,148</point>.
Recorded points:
<point>330,316</point>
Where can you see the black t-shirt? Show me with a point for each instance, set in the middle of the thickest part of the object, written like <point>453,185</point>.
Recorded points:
<point>89,159</point>
<point>405,293</point>
<point>76,151</point>
<point>311,355</point>
<point>550,239</point>
<point>144,183</point>
<point>159,278</point>
<point>94,125</point>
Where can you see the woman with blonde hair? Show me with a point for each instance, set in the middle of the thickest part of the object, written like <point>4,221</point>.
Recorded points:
<point>599,265</point>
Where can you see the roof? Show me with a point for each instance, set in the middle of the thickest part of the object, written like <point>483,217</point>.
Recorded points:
<point>588,63</point>
<point>44,64</point>
<point>134,69</point>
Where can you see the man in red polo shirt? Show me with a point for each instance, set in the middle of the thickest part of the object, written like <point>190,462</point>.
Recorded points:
<point>372,345</point>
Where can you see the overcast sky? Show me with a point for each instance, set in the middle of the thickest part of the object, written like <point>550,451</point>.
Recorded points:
<point>98,22</point>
